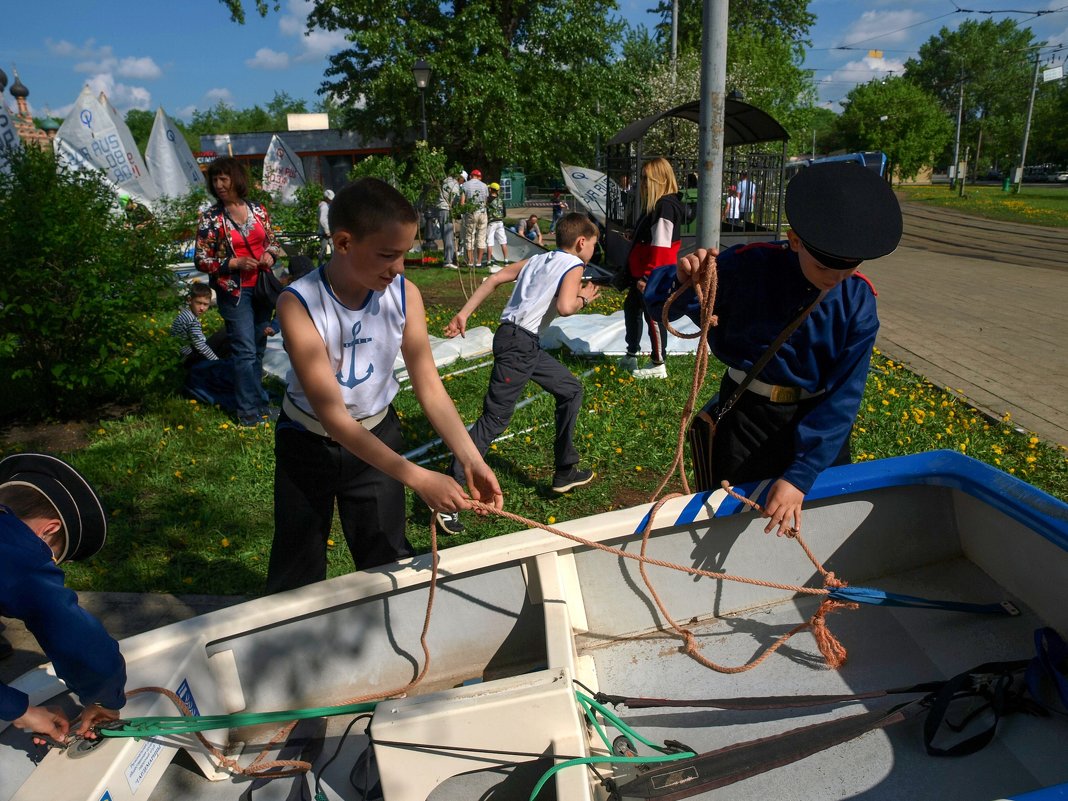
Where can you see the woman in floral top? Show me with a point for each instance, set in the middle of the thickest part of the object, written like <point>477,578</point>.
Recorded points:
<point>234,243</point>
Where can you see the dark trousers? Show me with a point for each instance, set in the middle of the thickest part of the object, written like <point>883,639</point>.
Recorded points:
<point>310,473</point>
<point>755,439</point>
<point>635,315</point>
<point>244,327</point>
<point>517,359</point>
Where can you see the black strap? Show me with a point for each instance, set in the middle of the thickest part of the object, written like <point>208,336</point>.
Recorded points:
<point>238,229</point>
<point>733,763</point>
<point>765,703</point>
<point>765,357</point>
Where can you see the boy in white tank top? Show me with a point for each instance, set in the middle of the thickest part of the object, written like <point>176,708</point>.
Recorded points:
<point>547,285</point>
<point>338,438</point>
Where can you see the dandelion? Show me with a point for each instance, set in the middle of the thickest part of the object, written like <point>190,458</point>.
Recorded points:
<point>225,542</point>
<point>177,473</point>
<point>637,468</point>
<point>330,543</point>
<point>551,520</point>
<point>187,580</point>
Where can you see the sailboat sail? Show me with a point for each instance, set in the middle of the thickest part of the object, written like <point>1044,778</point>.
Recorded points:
<point>283,172</point>
<point>590,189</point>
<point>169,159</point>
<point>89,138</point>
<point>9,137</point>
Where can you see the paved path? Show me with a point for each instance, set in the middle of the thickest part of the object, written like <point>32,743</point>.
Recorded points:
<point>982,308</point>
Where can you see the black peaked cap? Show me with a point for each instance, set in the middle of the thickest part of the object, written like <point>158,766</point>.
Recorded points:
<point>844,210</point>
<point>74,499</point>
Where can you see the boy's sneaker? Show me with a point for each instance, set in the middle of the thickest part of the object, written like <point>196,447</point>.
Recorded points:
<point>651,371</point>
<point>628,363</point>
<point>574,476</point>
<point>451,266</point>
<point>449,522</point>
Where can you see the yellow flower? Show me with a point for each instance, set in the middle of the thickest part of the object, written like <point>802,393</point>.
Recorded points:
<point>637,468</point>
<point>552,520</point>
<point>177,473</point>
<point>187,580</point>
<point>330,543</point>
<point>225,542</point>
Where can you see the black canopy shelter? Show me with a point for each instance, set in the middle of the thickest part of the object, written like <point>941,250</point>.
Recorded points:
<point>754,145</point>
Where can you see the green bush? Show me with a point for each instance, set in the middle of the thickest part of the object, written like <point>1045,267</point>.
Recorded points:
<point>86,299</point>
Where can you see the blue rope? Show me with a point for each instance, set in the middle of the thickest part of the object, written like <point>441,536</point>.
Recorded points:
<point>875,597</point>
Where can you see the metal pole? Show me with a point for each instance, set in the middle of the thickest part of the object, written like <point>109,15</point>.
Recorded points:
<point>1027,129</point>
<point>813,143</point>
<point>422,108</point>
<point>674,37</point>
<point>713,101</point>
<point>956,144</point>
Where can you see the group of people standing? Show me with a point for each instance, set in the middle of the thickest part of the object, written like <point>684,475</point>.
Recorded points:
<point>482,220</point>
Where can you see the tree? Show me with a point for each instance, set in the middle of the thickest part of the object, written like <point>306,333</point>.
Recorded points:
<point>789,20</point>
<point>78,304</point>
<point>764,68</point>
<point>140,124</point>
<point>899,118</point>
<point>992,62</point>
<point>503,73</point>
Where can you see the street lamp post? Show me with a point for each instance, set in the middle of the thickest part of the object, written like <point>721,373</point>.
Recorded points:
<point>421,71</point>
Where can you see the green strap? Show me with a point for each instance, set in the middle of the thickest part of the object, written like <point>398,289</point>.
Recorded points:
<point>589,705</point>
<point>163,726</point>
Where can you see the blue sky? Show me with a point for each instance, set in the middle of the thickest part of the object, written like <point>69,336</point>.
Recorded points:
<point>187,55</point>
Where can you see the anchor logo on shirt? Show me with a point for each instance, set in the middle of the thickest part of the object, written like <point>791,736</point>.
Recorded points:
<point>352,380</point>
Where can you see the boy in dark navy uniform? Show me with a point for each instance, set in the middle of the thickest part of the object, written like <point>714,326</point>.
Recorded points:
<point>795,418</point>
<point>48,514</point>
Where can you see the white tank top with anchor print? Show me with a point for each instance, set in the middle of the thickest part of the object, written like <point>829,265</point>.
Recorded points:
<point>362,344</point>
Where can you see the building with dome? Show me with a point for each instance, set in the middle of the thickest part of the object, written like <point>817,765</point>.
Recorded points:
<point>28,132</point>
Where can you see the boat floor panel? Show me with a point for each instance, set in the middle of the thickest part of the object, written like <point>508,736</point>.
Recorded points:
<point>887,648</point>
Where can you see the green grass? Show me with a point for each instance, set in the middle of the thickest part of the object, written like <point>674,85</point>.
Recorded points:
<point>190,495</point>
<point>1037,204</point>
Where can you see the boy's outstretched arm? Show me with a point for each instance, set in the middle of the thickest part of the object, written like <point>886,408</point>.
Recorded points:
<point>312,365</point>
<point>439,408</point>
<point>458,324</point>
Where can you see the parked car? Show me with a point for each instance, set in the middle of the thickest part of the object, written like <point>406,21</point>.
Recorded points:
<point>1061,177</point>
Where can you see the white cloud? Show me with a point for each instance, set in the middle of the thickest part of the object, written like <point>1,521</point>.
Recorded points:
<point>185,113</point>
<point>215,95</point>
<point>65,49</point>
<point>143,68</point>
<point>881,28</point>
<point>859,71</point>
<point>268,59</point>
<point>314,44</point>
<point>122,96</point>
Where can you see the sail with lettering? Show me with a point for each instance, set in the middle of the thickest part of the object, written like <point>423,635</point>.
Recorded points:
<point>590,189</point>
<point>89,139</point>
<point>283,172</point>
<point>170,160</point>
<point>9,137</point>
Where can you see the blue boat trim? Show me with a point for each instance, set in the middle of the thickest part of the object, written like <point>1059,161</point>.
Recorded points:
<point>1019,500</point>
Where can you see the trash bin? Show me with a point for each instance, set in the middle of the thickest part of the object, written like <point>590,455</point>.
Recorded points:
<point>1006,185</point>
<point>513,186</point>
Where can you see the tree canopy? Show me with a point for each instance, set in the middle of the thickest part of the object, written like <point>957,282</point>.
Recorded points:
<point>898,118</point>
<point>994,62</point>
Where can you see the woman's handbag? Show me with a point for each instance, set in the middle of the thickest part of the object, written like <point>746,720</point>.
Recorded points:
<point>268,288</point>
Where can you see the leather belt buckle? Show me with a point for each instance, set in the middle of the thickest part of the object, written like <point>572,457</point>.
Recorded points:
<point>785,394</point>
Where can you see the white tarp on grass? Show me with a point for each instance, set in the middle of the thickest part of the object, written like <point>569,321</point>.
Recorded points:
<point>584,334</point>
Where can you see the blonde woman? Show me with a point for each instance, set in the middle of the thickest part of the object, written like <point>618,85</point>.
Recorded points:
<point>656,243</point>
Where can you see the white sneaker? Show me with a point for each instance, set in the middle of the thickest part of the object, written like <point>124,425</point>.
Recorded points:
<point>451,266</point>
<point>628,363</point>
<point>496,268</point>
<point>652,371</point>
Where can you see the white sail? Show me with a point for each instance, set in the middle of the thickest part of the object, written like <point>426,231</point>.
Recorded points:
<point>9,137</point>
<point>133,155</point>
<point>89,138</point>
<point>169,159</point>
<point>283,172</point>
<point>590,189</point>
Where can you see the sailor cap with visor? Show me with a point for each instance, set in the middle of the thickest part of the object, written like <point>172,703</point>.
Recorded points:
<point>844,213</point>
<point>76,503</point>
